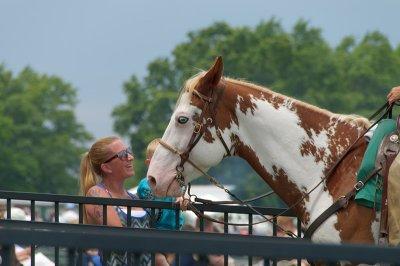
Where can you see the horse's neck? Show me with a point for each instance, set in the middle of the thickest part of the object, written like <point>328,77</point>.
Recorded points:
<point>290,144</point>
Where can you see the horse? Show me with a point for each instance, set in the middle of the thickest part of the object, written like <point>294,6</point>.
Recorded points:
<point>289,143</point>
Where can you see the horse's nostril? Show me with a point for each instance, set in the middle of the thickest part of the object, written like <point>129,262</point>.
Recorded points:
<point>152,181</point>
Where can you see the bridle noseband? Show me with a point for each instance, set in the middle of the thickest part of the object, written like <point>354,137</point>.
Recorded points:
<point>206,118</point>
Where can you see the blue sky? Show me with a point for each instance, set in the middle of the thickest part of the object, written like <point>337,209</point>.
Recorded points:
<point>97,45</point>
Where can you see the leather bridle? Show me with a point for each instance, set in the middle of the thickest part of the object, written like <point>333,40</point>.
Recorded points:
<point>206,119</point>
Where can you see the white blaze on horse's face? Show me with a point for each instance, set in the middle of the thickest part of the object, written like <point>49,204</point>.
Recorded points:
<point>162,169</point>
<point>164,162</point>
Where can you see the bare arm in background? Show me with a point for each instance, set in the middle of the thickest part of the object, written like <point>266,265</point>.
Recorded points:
<point>394,94</point>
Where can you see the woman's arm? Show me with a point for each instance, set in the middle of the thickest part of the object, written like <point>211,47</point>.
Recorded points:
<point>161,260</point>
<point>95,212</point>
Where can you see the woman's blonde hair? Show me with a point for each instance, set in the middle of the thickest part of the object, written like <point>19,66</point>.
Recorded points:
<point>91,163</point>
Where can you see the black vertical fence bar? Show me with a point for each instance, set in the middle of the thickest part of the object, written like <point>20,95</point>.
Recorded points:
<point>32,255</point>
<point>226,220</point>
<point>299,236</point>
<point>137,259</point>
<point>80,257</point>
<point>33,211</point>
<point>80,213</point>
<point>177,213</point>
<point>177,227</point>
<point>202,258</point>
<point>105,223</point>
<point>274,233</point>
<point>201,222</point>
<point>129,216</point>
<point>56,255</point>
<point>71,257</point>
<point>152,225</point>
<point>56,212</point>
<point>9,209</point>
<point>250,259</point>
<point>56,220</point>
<point>128,224</point>
<point>6,249</point>
<point>6,255</point>
<point>80,251</point>
<point>104,214</point>
<point>33,248</point>
<point>153,218</point>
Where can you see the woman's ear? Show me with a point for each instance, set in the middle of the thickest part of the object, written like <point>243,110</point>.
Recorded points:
<point>105,168</point>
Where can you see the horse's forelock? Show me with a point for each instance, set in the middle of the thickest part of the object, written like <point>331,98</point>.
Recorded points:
<point>189,85</point>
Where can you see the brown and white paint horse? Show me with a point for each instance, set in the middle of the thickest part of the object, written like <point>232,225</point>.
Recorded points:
<point>289,143</point>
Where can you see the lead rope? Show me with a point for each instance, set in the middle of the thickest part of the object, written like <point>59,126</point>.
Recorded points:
<point>219,185</point>
<point>266,219</point>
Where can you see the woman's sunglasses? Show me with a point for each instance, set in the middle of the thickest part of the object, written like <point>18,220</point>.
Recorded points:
<point>123,155</point>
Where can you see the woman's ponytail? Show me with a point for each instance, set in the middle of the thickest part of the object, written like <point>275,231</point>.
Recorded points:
<point>88,176</point>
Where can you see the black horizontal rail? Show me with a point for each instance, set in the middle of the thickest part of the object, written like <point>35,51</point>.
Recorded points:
<point>135,203</point>
<point>112,238</point>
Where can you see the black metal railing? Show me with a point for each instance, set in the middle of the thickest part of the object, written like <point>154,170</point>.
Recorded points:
<point>151,240</point>
<point>56,201</point>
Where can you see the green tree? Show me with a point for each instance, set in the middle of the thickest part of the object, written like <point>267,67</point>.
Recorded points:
<point>41,141</point>
<point>350,78</point>
<point>367,71</point>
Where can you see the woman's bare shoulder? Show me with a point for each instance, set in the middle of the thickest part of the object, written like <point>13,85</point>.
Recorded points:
<point>97,191</point>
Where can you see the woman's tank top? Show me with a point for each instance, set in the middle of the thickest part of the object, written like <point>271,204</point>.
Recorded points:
<point>139,219</point>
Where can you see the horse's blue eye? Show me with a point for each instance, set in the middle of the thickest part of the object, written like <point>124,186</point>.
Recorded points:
<point>183,119</point>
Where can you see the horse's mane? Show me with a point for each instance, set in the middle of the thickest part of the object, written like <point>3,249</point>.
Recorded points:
<point>352,119</point>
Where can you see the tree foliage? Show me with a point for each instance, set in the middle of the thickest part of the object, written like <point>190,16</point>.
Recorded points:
<point>41,141</point>
<point>353,77</point>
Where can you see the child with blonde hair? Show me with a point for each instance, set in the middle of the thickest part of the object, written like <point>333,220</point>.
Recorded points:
<point>165,217</point>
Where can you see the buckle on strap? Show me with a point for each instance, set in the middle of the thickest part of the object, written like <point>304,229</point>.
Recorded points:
<point>359,185</point>
<point>197,127</point>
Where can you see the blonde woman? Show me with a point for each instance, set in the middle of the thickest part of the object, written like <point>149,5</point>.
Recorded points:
<point>104,169</point>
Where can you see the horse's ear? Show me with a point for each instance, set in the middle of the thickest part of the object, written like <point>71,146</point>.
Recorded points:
<point>213,75</point>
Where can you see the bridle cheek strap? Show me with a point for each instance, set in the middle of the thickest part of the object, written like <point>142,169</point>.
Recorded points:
<point>179,170</point>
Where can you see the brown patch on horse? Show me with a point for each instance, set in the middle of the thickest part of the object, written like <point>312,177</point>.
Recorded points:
<point>310,122</point>
<point>309,148</point>
<point>345,134</point>
<point>354,221</point>
<point>244,101</point>
<point>354,224</point>
<point>223,108</point>
<point>217,110</point>
<point>278,181</point>
<point>256,92</point>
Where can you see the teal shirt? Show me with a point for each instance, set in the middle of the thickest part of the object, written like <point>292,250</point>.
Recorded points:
<point>166,217</point>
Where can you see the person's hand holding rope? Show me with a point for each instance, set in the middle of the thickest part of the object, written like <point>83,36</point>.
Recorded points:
<point>394,95</point>
<point>183,203</point>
